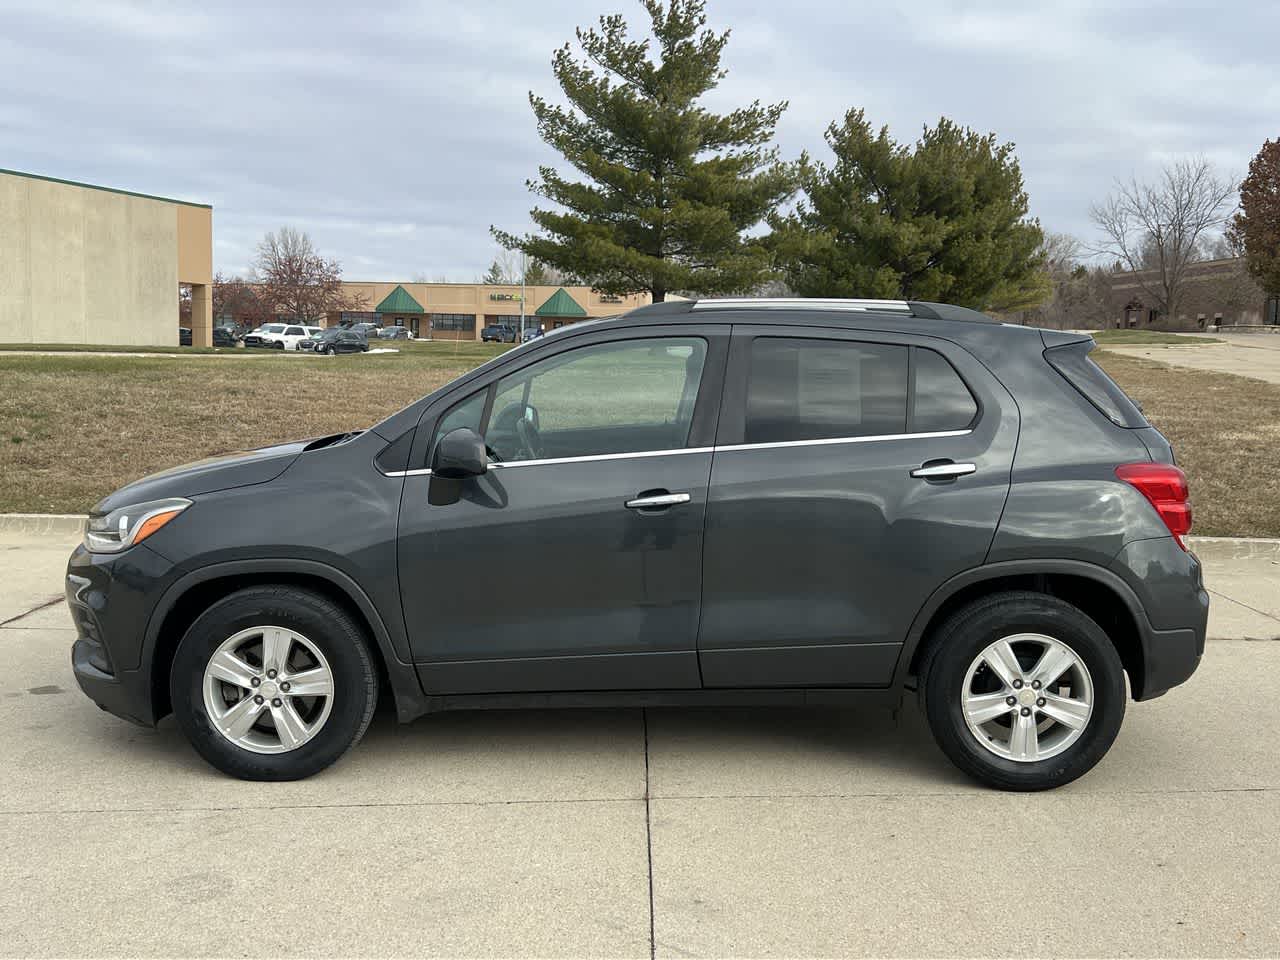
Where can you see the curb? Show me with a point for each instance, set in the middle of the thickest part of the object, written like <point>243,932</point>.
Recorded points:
<point>1235,548</point>
<point>53,524</point>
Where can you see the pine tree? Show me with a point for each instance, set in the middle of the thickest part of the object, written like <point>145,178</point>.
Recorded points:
<point>668,188</point>
<point>944,220</point>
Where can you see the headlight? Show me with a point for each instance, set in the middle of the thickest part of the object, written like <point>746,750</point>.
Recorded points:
<point>125,526</point>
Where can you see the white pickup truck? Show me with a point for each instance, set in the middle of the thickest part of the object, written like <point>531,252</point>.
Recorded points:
<point>279,336</point>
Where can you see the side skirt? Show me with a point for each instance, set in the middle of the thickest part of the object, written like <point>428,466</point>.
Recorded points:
<point>889,698</point>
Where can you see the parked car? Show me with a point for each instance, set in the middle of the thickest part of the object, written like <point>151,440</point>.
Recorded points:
<point>532,333</point>
<point>225,337</point>
<point>184,336</point>
<point>366,329</point>
<point>499,333</point>
<point>395,332</point>
<point>279,336</point>
<point>767,502</point>
<point>335,340</point>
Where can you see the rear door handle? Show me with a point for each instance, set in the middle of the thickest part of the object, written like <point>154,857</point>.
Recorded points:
<point>943,470</point>
<point>658,501</point>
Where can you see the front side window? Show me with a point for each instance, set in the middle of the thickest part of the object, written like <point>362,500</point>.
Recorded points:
<point>801,389</point>
<point>624,397</point>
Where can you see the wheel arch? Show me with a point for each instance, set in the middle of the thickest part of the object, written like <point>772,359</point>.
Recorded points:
<point>194,593</point>
<point>1099,593</point>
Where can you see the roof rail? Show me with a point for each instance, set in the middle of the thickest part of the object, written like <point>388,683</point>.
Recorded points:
<point>803,303</point>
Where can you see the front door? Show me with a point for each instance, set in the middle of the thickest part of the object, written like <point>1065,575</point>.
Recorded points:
<point>854,473</point>
<point>575,562</point>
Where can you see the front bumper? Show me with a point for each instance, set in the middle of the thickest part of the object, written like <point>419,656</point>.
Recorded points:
<point>111,597</point>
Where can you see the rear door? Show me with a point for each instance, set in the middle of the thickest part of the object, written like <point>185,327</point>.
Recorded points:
<point>854,473</point>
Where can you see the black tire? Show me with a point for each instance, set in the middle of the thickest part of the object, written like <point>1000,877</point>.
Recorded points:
<point>330,350</point>
<point>968,632</point>
<point>323,623</point>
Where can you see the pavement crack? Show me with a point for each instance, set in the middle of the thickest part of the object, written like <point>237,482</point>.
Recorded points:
<point>1223,596</point>
<point>38,607</point>
<point>648,831</point>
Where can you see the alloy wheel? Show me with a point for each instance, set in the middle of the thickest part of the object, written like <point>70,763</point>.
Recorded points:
<point>1027,697</point>
<point>268,689</point>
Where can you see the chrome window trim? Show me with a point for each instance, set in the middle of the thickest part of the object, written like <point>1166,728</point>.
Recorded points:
<point>508,464</point>
<point>725,448</point>
<point>778,444</point>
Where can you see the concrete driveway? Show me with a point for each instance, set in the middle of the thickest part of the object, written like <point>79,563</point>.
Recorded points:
<point>1255,355</point>
<point>631,833</point>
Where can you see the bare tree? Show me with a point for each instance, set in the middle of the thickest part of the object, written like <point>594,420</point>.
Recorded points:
<point>237,299</point>
<point>296,281</point>
<point>1157,229</point>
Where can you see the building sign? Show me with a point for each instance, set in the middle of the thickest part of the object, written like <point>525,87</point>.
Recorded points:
<point>504,296</point>
<point>609,298</point>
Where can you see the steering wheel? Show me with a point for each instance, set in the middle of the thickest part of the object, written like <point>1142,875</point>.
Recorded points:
<point>530,438</point>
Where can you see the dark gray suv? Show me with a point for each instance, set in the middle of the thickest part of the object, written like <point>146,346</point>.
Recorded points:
<point>727,502</point>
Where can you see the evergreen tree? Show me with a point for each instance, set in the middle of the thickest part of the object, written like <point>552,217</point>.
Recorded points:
<point>945,220</point>
<point>667,188</point>
<point>1256,228</point>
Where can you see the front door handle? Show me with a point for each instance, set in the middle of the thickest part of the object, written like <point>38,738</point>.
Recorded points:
<point>943,470</point>
<point>657,501</point>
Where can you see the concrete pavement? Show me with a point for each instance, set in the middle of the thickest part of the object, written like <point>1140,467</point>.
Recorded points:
<point>764,832</point>
<point>1255,355</point>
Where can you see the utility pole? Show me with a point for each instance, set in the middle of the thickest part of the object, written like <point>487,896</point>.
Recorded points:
<point>522,273</point>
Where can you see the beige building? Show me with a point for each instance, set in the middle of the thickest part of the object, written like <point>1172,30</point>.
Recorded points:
<point>87,264</point>
<point>460,311</point>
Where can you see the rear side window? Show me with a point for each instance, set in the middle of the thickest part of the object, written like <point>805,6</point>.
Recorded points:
<point>1073,362</point>
<point>823,389</point>
<point>941,401</point>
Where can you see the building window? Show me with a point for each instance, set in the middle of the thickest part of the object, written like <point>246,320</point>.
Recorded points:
<point>360,316</point>
<point>453,321</point>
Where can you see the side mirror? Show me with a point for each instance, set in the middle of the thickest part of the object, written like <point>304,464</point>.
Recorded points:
<point>460,454</point>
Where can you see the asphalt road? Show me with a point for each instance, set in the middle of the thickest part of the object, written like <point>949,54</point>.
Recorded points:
<point>1255,355</point>
<point>618,833</point>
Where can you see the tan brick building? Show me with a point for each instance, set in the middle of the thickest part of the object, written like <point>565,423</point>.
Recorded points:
<point>1216,293</point>
<point>459,311</point>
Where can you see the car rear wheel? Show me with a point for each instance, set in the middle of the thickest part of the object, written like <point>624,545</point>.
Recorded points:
<point>1022,691</point>
<point>273,683</point>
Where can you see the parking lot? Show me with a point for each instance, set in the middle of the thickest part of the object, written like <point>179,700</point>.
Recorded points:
<point>629,833</point>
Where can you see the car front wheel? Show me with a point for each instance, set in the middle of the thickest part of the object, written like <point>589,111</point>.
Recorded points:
<point>273,683</point>
<point>1022,691</point>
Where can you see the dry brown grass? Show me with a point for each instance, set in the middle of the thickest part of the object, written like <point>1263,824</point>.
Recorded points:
<point>73,428</point>
<point>1225,432</point>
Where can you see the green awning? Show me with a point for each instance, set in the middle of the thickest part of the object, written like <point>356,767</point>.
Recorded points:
<point>560,304</point>
<point>399,301</point>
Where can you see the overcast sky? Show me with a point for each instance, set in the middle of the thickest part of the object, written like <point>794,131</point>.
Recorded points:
<point>396,133</point>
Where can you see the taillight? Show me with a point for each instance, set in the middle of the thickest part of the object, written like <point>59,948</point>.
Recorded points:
<point>1166,487</point>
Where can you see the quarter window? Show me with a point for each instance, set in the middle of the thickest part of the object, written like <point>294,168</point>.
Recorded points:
<point>822,389</point>
<point>941,401</point>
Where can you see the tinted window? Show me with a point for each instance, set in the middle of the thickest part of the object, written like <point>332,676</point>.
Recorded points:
<point>821,389</point>
<point>293,332</point>
<point>624,397</point>
<point>1072,361</point>
<point>941,400</point>
<point>464,413</point>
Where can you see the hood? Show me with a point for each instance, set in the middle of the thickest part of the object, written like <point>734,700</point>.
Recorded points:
<point>207,476</point>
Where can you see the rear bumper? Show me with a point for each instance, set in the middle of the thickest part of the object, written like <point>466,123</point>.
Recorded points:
<point>1169,584</point>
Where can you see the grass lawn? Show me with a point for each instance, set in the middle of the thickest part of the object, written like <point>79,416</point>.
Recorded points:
<point>101,348</point>
<point>1148,338</point>
<point>74,428</point>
